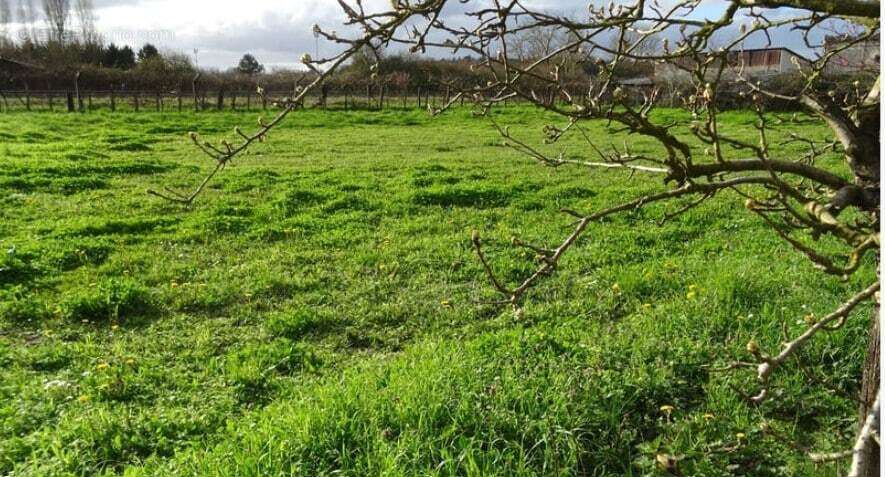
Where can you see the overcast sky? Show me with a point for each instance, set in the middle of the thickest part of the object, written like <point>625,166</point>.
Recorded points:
<point>277,32</point>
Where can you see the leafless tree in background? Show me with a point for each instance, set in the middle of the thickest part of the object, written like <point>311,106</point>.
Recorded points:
<point>57,13</point>
<point>801,197</point>
<point>85,12</point>
<point>5,19</point>
<point>26,14</point>
<point>537,42</point>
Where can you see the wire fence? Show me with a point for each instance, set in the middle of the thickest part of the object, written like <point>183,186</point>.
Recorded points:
<point>213,100</point>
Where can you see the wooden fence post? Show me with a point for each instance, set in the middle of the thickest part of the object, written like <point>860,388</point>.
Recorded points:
<point>113,100</point>
<point>27,97</point>
<point>159,100</point>
<point>137,104</point>
<point>49,100</point>
<point>77,92</point>
<point>233,101</point>
<point>178,97</point>
<point>220,104</point>
<point>194,86</point>
<point>70,102</point>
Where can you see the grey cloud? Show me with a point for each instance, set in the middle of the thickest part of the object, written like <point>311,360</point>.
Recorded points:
<point>280,40</point>
<point>115,3</point>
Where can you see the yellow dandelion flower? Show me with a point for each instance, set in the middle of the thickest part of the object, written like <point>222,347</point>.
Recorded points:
<point>616,288</point>
<point>130,361</point>
<point>740,436</point>
<point>709,417</point>
<point>83,399</point>
<point>691,295</point>
<point>667,409</point>
<point>102,366</point>
<point>646,306</point>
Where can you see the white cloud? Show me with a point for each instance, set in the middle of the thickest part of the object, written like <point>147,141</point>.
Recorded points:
<point>276,32</point>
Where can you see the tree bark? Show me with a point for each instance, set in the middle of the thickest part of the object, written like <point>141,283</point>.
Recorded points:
<point>870,387</point>
<point>866,173</point>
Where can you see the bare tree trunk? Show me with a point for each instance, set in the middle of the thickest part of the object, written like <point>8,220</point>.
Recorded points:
<point>865,165</point>
<point>383,93</point>
<point>77,92</point>
<point>871,387</point>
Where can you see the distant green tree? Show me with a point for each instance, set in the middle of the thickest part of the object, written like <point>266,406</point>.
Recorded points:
<point>147,52</point>
<point>109,57</point>
<point>90,53</point>
<point>120,58</point>
<point>126,59</point>
<point>249,65</point>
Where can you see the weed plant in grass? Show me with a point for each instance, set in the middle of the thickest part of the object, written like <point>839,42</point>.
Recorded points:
<point>316,312</point>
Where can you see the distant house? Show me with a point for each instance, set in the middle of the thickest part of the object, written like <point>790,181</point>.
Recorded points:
<point>857,58</point>
<point>766,62</point>
<point>757,63</point>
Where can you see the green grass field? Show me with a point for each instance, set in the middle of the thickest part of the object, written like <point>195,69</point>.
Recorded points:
<point>318,311</point>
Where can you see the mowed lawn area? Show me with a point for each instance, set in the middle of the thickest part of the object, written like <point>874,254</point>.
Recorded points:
<point>319,311</point>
